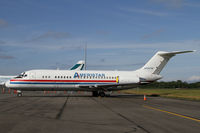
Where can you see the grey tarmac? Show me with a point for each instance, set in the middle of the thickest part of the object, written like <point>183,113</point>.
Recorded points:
<point>82,113</point>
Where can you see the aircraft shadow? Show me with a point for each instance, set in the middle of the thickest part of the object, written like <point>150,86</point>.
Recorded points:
<point>107,96</point>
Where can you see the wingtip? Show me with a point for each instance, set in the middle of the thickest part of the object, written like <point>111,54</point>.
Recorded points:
<point>191,51</point>
<point>186,51</point>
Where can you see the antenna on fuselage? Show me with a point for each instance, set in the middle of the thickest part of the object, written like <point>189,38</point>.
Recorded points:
<point>85,54</point>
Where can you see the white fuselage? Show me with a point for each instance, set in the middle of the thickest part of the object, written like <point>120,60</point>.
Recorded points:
<point>72,80</point>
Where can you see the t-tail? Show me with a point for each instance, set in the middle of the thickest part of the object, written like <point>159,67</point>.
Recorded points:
<point>151,70</point>
<point>78,66</point>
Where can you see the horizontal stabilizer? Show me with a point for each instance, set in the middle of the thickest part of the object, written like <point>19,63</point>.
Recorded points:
<point>175,52</point>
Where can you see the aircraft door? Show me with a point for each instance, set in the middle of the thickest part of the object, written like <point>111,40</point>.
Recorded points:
<point>117,79</point>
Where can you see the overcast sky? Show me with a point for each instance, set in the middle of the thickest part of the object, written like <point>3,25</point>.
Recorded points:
<point>120,34</point>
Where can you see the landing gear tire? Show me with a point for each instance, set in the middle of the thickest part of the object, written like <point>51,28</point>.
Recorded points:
<point>95,93</point>
<point>102,94</point>
<point>19,94</point>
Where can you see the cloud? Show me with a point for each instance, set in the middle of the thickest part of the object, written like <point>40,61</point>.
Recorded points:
<point>177,3</point>
<point>2,42</point>
<point>171,3</point>
<point>154,33</point>
<point>103,60</point>
<point>194,78</point>
<point>102,32</point>
<point>143,11</point>
<point>114,65</point>
<point>176,45</point>
<point>189,4</point>
<point>6,57</point>
<point>3,23</point>
<point>50,35</point>
<point>76,44</point>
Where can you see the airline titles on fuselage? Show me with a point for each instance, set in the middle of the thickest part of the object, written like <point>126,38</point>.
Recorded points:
<point>82,75</point>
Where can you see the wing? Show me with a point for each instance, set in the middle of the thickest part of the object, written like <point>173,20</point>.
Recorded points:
<point>107,87</point>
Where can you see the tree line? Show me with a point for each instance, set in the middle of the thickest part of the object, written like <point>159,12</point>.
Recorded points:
<point>172,84</point>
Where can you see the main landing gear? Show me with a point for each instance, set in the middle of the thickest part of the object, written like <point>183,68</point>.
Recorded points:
<point>96,94</point>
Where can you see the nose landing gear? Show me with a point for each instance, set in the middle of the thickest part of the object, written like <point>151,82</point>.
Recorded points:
<point>19,93</point>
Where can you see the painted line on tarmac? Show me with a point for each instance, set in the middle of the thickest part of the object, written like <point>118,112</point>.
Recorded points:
<point>183,116</point>
<point>58,116</point>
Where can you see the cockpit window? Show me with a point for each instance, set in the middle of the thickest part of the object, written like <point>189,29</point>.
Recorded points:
<point>22,75</point>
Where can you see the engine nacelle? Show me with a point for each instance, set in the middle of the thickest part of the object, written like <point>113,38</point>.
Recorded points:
<point>149,77</point>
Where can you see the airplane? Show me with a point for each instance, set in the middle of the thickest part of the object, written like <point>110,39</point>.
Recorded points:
<point>97,82</point>
<point>78,66</point>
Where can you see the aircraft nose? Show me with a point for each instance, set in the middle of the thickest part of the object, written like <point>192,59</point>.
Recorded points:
<point>7,84</point>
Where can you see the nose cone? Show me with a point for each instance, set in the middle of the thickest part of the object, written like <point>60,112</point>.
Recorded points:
<point>7,84</point>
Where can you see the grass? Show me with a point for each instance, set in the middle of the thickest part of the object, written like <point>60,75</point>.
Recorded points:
<point>189,94</point>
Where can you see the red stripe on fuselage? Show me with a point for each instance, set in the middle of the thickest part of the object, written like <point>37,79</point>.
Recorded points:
<point>63,80</point>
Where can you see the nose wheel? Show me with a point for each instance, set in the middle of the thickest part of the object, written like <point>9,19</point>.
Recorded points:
<point>19,93</point>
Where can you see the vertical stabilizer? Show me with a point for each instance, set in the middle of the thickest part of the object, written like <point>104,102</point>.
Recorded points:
<point>158,61</point>
<point>78,66</point>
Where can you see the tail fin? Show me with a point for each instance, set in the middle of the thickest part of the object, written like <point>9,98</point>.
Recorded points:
<point>159,60</point>
<point>78,66</point>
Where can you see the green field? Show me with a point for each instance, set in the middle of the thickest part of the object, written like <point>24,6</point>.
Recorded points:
<point>190,94</point>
